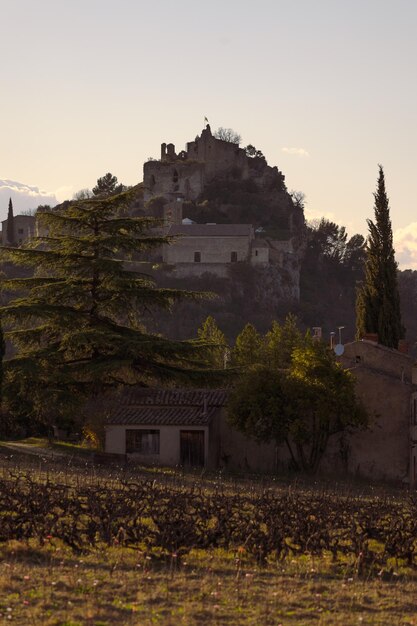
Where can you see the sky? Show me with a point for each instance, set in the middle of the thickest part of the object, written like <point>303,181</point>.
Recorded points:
<point>325,88</point>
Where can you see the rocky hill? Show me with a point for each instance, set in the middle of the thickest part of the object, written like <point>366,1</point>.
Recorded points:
<point>214,181</point>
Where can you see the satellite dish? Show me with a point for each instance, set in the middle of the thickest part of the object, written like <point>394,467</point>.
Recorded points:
<point>339,349</point>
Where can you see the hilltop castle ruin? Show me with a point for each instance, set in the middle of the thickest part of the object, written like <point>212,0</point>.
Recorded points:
<point>177,187</point>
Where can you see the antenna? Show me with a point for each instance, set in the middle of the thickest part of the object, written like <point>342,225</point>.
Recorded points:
<point>339,348</point>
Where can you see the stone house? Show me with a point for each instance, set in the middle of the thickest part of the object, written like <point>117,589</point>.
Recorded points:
<point>180,427</point>
<point>213,247</point>
<point>387,384</point>
<point>23,229</point>
<point>189,427</point>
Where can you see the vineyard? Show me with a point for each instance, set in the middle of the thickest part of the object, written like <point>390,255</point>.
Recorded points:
<point>266,523</point>
<point>84,545</point>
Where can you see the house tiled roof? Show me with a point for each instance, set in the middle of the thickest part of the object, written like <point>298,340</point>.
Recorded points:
<point>163,416</point>
<point>138,405</point>
<point>211,230</point>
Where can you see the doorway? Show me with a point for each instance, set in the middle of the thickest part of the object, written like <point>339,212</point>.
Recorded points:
<point>192,447</point>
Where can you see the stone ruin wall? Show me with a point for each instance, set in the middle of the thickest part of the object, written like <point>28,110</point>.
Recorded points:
<point>185,174</point>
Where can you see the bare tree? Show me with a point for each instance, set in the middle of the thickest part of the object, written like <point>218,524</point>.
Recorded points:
<point>83,194</point>
<point>298,198</point>
<point>227,134</point>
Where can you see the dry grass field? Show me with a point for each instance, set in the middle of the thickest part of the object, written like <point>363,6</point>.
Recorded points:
<point>50,586</point>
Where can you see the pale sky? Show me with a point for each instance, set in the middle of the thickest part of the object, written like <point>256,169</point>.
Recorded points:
<point>325,88</point>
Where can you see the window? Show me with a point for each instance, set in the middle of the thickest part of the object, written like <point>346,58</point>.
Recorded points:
<point>175,176</point>
<point>142,441</point>
<point>233,257</point>
<point>20,231</point>
<point>197,257</point>
<point>256,253</point>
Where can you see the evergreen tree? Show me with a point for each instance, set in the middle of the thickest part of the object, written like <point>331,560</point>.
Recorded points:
<point>76,325</point>
<point>249,347</point>
<point>281,340</point>
<point>378,301</point>
<point>10,224</point>
<point>107,185</point>
<point>214,342</point>
<point>2,353</point>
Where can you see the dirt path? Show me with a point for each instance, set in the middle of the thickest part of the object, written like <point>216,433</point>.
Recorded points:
<point>27,448</point>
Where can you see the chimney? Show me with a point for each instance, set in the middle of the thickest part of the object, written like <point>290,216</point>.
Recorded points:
<point>204,405</point>
<point>370,337</point>
<point>403,346</point>
<point>316,333</point>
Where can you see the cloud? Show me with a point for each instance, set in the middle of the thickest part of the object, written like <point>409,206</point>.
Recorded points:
<point>300,152</point>
<point>23,196</point>
<point>64,193</point>
<point>405,242</point>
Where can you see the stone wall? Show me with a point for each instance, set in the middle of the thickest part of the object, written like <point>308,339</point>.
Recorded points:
<point>23,229</point>
<point>218,155</point>
<point>384,383</point>
<point>183,179</point>
<point>238,453</point>
<point>212,250</point>
<point>169,442</point>
<point>206,157</point>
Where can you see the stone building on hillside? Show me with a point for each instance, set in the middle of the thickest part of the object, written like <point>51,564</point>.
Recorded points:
<point>213,247</point>
<point>178,178</point>
<point>173,188</point>
<point>184,175</point>
<point>16,229</point>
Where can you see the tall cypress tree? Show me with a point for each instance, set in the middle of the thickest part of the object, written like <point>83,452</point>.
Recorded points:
<point>2,353</point>
<point>378,301</point>
<point>10,224</point>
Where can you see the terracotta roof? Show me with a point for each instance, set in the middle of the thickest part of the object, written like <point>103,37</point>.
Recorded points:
<point>145,396</point>
<point>163,416</point>
<point>138,405</point>
<point>211,230</point>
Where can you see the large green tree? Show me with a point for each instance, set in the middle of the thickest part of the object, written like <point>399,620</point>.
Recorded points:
<point>76,323</point>
<point>301,406</point>
<point>378,301</point>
